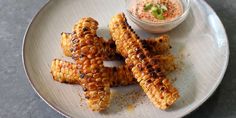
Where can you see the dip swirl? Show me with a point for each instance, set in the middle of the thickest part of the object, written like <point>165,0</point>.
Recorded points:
<point>157,11</point>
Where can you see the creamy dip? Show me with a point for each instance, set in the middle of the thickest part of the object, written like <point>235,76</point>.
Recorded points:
<point>157,11</point>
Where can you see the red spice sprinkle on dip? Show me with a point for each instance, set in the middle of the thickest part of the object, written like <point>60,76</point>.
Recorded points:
<point>157,11</point>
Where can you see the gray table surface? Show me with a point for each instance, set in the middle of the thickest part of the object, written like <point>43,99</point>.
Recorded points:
<point>18,99</point>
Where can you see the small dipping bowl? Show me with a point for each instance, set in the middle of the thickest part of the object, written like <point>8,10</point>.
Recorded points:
<point>159,27</point>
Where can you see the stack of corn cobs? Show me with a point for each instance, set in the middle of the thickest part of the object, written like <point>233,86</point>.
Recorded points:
<point>146,62</point>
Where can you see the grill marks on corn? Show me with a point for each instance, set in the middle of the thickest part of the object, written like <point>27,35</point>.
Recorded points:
<point>86,52</point>
<point>153,82</point>
<point>67,72</point>
<point>139,52</point>
<point>158,45</point>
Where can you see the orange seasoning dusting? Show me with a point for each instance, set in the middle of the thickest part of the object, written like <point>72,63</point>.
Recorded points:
<point>130,107</point>
<point>157,11</point>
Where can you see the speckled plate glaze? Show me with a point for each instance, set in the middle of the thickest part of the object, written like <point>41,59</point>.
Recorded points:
<point>200,43</point>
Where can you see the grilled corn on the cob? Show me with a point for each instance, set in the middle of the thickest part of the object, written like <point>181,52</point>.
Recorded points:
<point>87,53</point>
<point>67,72</point>
<point>148,74</point>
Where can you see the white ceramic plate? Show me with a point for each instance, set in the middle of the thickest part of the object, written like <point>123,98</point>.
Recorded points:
<point>200,41</point>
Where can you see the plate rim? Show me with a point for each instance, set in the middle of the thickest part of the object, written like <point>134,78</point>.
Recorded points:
<point>201,101</point>
<point>24,65</point>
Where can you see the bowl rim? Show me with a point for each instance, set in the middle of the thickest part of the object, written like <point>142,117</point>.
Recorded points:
<point>182,16</point>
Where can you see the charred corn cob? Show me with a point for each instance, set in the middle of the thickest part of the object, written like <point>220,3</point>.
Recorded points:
<point>148,74</point>
<point>159,45</point>
<point>67,72</point>
<point>87,53</point>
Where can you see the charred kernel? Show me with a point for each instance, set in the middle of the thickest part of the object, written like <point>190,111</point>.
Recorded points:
<point>150,69</point>
<point>114,69</point>
<point>137,36</point>
<point>131,30</point>
<point>123,24</point>
<point>87,97</point>
<point>85,29</point>
<point>139,65</point>
<point>129,26</point>
<point>87,20</point>
<point>81,56</point>
<point>85,89</point>
<point>75,40</point>
<point>137,50</point>
<point>65,82</point>
<point>158,70</point>
<point>155,61</point>
<point>144,43</point>
<point>149,66</point>
<point>153,74</point>
<point>145,63</point>
<point>101,88</point>
<point>112,45</point>
<point>116,25</point>
<point>75,57</point>
<point>162,88</point>
<point>140,69</point>
<point>141,56</point>
<point>160,74</point>
<point>81,75</point>
<point>71,49</point>
<point>149,81</point>
<point>104,44</point>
